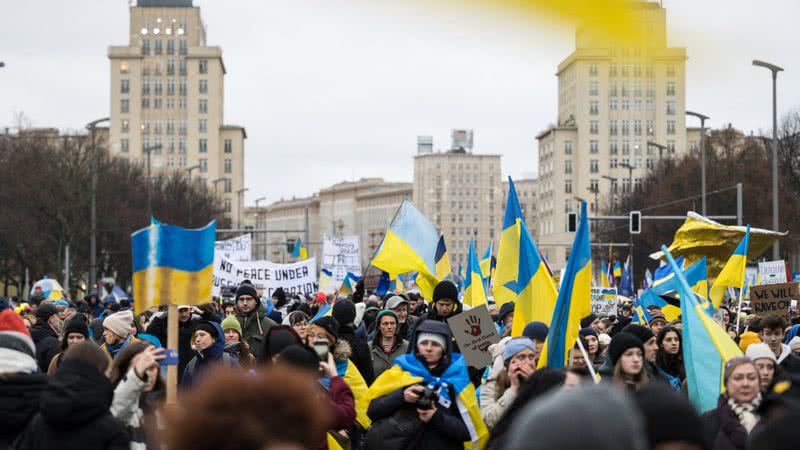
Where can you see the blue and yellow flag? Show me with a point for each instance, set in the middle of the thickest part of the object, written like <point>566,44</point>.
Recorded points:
<point>574,299</point>
<point>324,310</point>
<point>538,293</point>
<point>604,281</point>
<point>504,287</point>
<point>442,260</point>
<point>486,261</point>
<point>172,265</point>
<point>474,294</point>
<point>696,275</point>
<point>300,250</point>
<point>349,283</point>
<point>349,372</point>
<point>732,274</point>
<point>410,245</point>
<point>618,270</point>
<point>706,346</point>
<point>407,370</point>
<point>640,314</point>
<point>325,281</point>
<point>384,284</point>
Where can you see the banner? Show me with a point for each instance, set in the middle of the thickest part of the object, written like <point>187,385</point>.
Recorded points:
<point>474,332</point>
<point>773,299</point>
<point>299,277</point>
<point>341,254</point>
<point>236,249</point>
<point>772,272</point>
<point>604,301</point>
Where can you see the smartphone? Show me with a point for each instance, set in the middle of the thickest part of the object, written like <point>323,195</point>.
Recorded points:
<point>170,357</point>
<point>321,347</point>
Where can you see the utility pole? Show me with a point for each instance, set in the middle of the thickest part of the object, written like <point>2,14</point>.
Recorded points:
<point>258,223</point>
<point>149,150</point>
<point>93,205</point>
<point>240,200</point>
<point>703,119</point>
<point>189,170</point>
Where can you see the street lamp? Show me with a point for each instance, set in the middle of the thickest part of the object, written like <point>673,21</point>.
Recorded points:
<point>702,157</point>
<point>93,202</point>
<point>596,192</point>
<point>190,169</point>
<point>149,150</point>
<point>239,200</point>
<point>630,174</point>
<point>2,64</point>
<point>258,217</point>
<point>218,180</point>
<point>612,186</point>
<point>776,249</point>
<point>661,148</point>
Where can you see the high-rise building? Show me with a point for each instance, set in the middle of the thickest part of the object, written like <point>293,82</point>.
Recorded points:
<point>459,192</point>
<point>613,100</point>
<point>167,100</point>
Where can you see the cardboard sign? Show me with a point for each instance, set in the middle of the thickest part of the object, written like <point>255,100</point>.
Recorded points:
<point>236,249</point>
<point>773,298</point>
<point>341,254</point>
<point>604,301</point>
<point>772,272</point>
<point>474,332</point>
<point>299,277</point>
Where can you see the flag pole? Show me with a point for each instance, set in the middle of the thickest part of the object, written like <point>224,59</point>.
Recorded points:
<point>586,358</point>
<point>375,252</point>
<point>172,343</point>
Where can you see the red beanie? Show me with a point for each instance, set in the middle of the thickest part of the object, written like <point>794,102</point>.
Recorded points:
<point>11,321</point>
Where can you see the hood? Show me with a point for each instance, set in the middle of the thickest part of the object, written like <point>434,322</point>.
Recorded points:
<point>19,400</point>
<point>42,330</point>
<point>218,347</point>
<point>77,394</point>
<point>431,326</point>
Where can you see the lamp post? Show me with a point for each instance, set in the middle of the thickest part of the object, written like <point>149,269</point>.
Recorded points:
<point>149,150</point>
<point>258,217</point>
<point>630,174</point>
<point>93,204</point>
<point>218,180</point>
<point>776,249</point>
<point>661,148</point>
<point>596,192</point>
<point>190,169</point>
<point>2,64</point>
<point>613,184</point>
<point>703,119</point>
<point>239,200</point>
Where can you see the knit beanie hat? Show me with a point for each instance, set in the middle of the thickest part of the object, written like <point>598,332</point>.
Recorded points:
<point>386,312</point>
<point>733,363</point>
<point>330,324</point>
<point>668,416</point>
<point>344,311</point>
<point>246,288</point>
<point>505,310</point>
<point>206,326</point>
<point>119,323</point>
<point>536,331</point>
<point>300,357</point>
<point>794,344</point>
<point>587,321</point>
<point>44,311</point>
<point>434,337</point>
<point>17,351</point>
<point>657,315</point>
<point>760,351</point>
<point>445,290</point>
<point>589,331</point>
<point>76,324</point>
<point>620,343</point>
<point>643,333</point>
<point>515,346</point>
<point>279,295</point>
<point>231,323</point>
<point>279,337</point>
<point>747,338</point>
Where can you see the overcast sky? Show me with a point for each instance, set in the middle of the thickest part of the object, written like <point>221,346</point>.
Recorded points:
<point>333,89</point>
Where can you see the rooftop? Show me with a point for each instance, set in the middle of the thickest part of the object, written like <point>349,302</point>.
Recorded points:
<point>164,3</point>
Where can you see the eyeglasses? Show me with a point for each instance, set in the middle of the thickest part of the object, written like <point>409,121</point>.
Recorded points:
<point>245,298</point>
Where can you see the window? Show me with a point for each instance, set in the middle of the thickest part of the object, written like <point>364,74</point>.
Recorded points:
<point>203,66</point>
<point>170,161</point>
<point>593,70</point>
<point>612,104</point>
<point>124,86</point>
<point>227,183</point>
<point>171,126</point>
<point>626,104</point>
<point>203,145</point>
<point>612,163</point>
<point>124,105</point>
<point>594,109</point>
<point>637,127</point>
<point>203,165</point>
<point>146,46</point>
<point>637,88</point>
<point>182,87</point>
<point>157,87</point>
<point>228,166</point>
<point>145,103</point>
<point>203,125</point>
<point>567,205</point>
<point>651,128</point>
<point>171,146</point>
<point>594,147</point>
<point>651,164</point>
<point>158,47</point>
<point>671,108</point>
<point>626,128</point>
<point>182,127</point>
<point>671,127</point>
<point>123,67</point>
<point>626,148</point>
<point>158,126</point>
<point>637,70</point>
<point>182,103</point>
<point>614,186</point>
<point>671,146</point>
<point>171,86</point>
<point>204,86</point>
<point>612,71</point>
<point>182,68</point>
<point>182,146</point>
<point>170,67</point>
<point>637,184</point>
<point>145,87</point>
<point>228,146</point>
<point>637,163</point>
<point>594,166</point>
<point>170,47</point>
<point>145,127</point>
<point>612,147</point>
<point>624,89</point>
<point>227,205</point>
<point>124,145</point>
<point>594,185</point>
<point>593,127</point>
<point>693,148</point>
<point>612,89</point>
<point>626,185</point>
<point>170,103</point>
<point>184,46</point>
<point>670,88</point>
<point>568,186</point>
<point>568,167</point>
<point>625,70</point>
<point>594,88</point>
<point>671,70</point>
<point>203,106</point>
<point>637,147</point>
<point>612,127</point>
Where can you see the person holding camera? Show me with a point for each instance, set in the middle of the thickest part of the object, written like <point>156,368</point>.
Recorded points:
<point>425,413</point>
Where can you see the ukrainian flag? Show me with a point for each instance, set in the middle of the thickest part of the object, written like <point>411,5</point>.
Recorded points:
<point>408,370</point>
<point>325,281</point>
<point>172,265</point>
<point>410,244</point>
<point>325,310</point>
<point>696,275</point>
<point>664,272</point>
<point>397,284</point>
<point>618,270</point>
<point>384,284</point>
<point>349,283</point>
<point>300,250</point>
<point>604,281</point>
<point>640,315</point>
<point>486,261</point>
<point>732,274</point>
<point>349,372</point>
<point>538,293</point>
<point>442,260</point>
<point>474,294</point>
<point>706,346</point>
<point>574,299</point>
<point>504,288</point>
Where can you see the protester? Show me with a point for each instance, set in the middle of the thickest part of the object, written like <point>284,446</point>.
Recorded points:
<point>751,334</point>
<point>209,344</point>
<point>766,364</point>
<point>400,306</point>
<point>772,330</point>
<point>387,344</point>
<point>575,357</point>
<point>299,321</point>
<point>45,335</point>
<point>279,303</point>
<point>626,354</point>
<point>650,344</point>
<point>657,321</point>
<point>76,330</point>
<point>669,357</point>
<point>794,346</point>
<point>189,317</point>
<point>445,303</point>
<point>277,338</point>
<point>537,333</point>
<point>234,343</point>
<point>505,318</point>
<point>671,421</point>
<point>21,383</point>
<point>500,391</point>
<point>727,426</point>
<point>344,311</point>
<point>252,316</point>
<point>74,409</point>
<point>591,337</point>
<point>117,332</point>
<point>590,321</point>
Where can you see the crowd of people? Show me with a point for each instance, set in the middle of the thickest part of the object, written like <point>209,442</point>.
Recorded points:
<point>375,372</point>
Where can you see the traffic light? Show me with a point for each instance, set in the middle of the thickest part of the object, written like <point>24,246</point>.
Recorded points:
<point>572,222</point>
<point>290,246</point>
<point>635,222</point>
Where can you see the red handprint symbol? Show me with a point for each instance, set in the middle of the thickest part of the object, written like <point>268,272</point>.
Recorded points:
<point>475,325</point>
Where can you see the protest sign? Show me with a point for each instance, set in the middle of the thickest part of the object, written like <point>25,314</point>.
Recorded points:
<point>341,254</point>
<point>604,301</point>
<point>474,332</point>
<point>236,249</point>
<point>299,277</point>
<point>773,298</point>
<point>772,272</point>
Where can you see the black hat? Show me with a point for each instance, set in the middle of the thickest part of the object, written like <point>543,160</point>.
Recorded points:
<point>445,290</point>
<point>505,310</point>
<point>246,288</point>
<point>330,324</point>
<point>587,321</point>
<point>344,311</point>
<point>45,311</point>
<point>536,330</point>
<point>643,333</point>
<point>76,324</point>
<point>669,416</point>
<point>207,327</point>
<point>279,295</point>
<point>279,337</point>
<point>622,342</point>
<point>300,357</point>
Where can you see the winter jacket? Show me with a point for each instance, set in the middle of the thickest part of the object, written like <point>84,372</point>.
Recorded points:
<point>721,428</point>
<point>211,356</point>
<point>19,402</point>
<point>254,326</point>
<point>788,361</point>
<point>113,352</point>
<point>126,407</point>
<point>74,413</point>
<point>158,328</point>
<point>361,353</point>
<point>342,405</point>
<point>493,407</point>
<point>47,344</point>
<point>380,360</point>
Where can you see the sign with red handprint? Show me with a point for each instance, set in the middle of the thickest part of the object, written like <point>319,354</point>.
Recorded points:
<point>474,332</point>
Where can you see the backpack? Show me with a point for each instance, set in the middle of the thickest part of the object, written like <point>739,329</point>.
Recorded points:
<point>228,360</point>
<point>399,431</point>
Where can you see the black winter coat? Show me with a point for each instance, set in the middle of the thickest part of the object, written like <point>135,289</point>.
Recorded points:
<point>361,356</point>
<point>19,402</point>
<point>47,344</point>
<point>158,328</point>
<point>74,413</point>
<point>446,429</point>
<point>721,428</point>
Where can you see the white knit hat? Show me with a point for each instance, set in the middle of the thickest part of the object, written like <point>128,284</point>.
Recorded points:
<point>433,337</point>
<point>760,351</point>
<point>119,323</point>
<point>794,344</point>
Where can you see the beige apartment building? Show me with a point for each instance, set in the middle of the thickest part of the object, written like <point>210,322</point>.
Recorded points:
<point>167,100</point>
<point>612,102</point>
<point>459,192</point>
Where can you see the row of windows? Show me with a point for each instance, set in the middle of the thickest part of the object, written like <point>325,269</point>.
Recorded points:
<point>156,46</point>
<point>169,147</point>
<point>624,90</point>
<point>157,103</point>
<point>156,86</point>
<point>634,70</point>
<point>636,125</point>
<point>594,185</point>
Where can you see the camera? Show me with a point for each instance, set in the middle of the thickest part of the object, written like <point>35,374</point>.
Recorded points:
<point>426,398</point>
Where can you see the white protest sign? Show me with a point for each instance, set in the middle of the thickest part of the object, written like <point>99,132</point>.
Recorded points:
<point>604,301</point>
<point>299,277</point>
<point>341,254</point>
<point>236,249</point>
<point>772,272</point>
<point>474,332</point>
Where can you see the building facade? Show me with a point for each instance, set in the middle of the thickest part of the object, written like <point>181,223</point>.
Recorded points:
<point>614,104</point>
<point>167,101</point>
